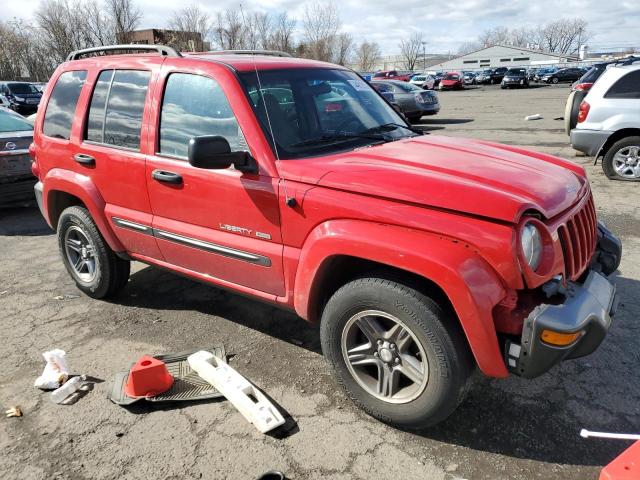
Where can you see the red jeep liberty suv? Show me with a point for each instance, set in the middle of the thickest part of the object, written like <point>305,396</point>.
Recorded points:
<point>293,181</point>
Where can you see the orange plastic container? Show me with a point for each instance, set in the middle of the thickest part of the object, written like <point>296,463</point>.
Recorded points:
<point>147,378</point>
<point>625,467</point>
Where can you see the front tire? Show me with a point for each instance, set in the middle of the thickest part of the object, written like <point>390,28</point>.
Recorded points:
<point>554,80</point>
<point>622,160</point>
<point>396,353</point>
<point>95,268</point>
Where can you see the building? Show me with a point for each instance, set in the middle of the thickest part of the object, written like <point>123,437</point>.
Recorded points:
<point>185,41</point>
<point>502,56</point>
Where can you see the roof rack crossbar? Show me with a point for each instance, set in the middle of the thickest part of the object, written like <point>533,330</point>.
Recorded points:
<point>272,53</point>
<point>161,49</point>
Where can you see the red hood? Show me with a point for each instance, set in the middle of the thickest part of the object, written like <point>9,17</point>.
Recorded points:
<point>471,176</point>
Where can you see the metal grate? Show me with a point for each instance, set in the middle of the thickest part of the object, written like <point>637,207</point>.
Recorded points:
<point>578,236</point>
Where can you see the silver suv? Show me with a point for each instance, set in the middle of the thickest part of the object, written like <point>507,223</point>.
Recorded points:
<point>609,122</point>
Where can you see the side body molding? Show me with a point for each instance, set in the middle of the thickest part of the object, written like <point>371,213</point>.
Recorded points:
<point>467,279</point>
<point>81,186</point>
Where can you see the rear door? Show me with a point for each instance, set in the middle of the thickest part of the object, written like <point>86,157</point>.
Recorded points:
<point>109,150</point>
<point>223,224</point>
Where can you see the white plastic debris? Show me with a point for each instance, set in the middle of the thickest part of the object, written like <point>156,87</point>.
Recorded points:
<point>584,433</point>
<point>61,394</point>
<point>536,116</point>
<point>55,371</point>
<point>249,401</point>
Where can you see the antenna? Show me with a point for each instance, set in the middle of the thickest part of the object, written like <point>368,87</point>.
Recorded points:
<point>289,201</point>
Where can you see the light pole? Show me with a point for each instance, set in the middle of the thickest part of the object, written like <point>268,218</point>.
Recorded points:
<point>424,56</point>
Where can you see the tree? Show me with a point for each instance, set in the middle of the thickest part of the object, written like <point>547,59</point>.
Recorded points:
<point>124,16</point>
<point>564,35</point>
<point>190,19</point>
<point>344,48</point>
<point>321,25</point>
<point>282,37</point>
<point>410,49</point>
<point>367,55</point>
<point>229,31</point>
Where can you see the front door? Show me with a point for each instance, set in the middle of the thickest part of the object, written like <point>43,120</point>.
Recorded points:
<point>224,224</point>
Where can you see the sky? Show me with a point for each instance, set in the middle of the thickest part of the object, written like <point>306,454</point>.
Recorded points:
<point>445,24</point>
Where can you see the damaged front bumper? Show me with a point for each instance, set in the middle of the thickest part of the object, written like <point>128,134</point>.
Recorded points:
<point>582,320</point>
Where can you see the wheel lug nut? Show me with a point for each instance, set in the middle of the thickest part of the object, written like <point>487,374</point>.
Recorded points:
<point>397,360</point>
<point>392,346</point>
<point>380,342</point>
<point>376,354</point>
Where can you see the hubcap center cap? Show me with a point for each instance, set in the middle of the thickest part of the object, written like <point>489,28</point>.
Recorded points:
<point>386,355</point>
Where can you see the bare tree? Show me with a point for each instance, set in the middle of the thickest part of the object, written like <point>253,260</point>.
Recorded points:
<point>191,19</point>
<point>97,27</point>
<point>410,49</point>
<point>367,55</point>
<point>564,35</point>
<point>282,37</point>
<point>229,32</point>
<point>58,22</point>
<point>344,48</point>
<point>321,25</point>
<point>125,17</point>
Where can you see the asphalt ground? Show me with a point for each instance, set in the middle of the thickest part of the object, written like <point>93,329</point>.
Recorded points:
<point>514,428</point>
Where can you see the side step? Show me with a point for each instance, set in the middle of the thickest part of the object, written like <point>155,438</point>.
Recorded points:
<point>249,401</point>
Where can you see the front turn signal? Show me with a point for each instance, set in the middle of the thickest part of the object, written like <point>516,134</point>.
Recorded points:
<point>559,339</point>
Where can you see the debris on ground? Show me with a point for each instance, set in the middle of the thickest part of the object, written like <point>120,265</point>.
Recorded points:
<point>187,384</point>
<point>272,475</point>
<point>69,388</point>
<point>4,292</point>
<point>536,116</point>
<point>149,377</point>
<point>625,466</point>
<point>66,296</point>
<point>249,401</point>
<point>13,412</point>
<point>56,371</point>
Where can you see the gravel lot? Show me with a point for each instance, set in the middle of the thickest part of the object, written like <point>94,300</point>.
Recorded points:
<point>506,429</point>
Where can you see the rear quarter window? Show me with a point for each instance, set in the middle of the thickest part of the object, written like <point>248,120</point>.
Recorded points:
<point>627,87</point>
<point>62,104</point>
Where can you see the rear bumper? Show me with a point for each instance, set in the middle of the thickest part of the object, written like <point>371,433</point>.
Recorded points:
<point>587,310</point>
<point>588,141</point>
<point>16,192</point>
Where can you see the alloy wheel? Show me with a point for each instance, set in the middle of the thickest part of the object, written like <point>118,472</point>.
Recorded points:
<point>626,162</point>
<point>81,254</point>
<point>384,356</point>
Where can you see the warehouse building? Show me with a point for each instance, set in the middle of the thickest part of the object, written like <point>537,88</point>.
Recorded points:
<point>502,56</point>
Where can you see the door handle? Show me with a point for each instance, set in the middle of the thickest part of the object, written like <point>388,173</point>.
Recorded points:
<point>166,177</point>
<point>84,159</point>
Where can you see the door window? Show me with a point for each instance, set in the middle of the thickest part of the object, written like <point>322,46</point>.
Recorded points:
<point>195,106</point>
<point>626,87</point>
<point>117,105</point>
<point>62,104</point>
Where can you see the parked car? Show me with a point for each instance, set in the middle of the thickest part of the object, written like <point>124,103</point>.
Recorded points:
<point>581,87</point>
<point>437,78</point>
<point>469,78</point>
<point>392,75</point>
<point>16,179</point>
<point>423,81</point>
<point>544,71</point>
<point>531,74</point>
<point>484,76</point>
<point>414,102</point>
<point>386,91</point>
<point>608,123</point>
<point>421,257</point>
<point>451,81</point>
<point>23,96</point>
<point>564,75</point>
<point>515,77</point>
<point>497,74</point>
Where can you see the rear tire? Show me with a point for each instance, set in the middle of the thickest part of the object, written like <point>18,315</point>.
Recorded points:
<point>628,147</point>
<point>96,269</point>
<point>432,349</point>
<point>554,80</point>
<point>415,119</point>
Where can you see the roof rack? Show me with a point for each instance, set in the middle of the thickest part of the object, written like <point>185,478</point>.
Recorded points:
<point>161,49</point>
<point>271,53</point>
<point>628,60</point>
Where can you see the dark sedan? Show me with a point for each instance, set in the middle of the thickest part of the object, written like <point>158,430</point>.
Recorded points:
<point>515,77</point>
<point>563,75</point>
<point>16,179</point>
<point>23,97</point>
<point>413,101</point>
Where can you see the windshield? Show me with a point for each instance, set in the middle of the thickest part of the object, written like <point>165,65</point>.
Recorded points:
<point>12,122</point>
<point>22,88</point>
<point>320,111</point>
<point>451,76</point>
<point>516,71</point>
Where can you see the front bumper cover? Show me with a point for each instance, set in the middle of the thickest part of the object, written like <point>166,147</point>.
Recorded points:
<point>587,309</point>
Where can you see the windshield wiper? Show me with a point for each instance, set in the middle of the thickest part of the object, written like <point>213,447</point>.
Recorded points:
<point>387,127</point>
<point>340,138</point>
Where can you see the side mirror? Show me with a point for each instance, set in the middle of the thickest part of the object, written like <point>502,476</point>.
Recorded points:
<point>213,152</point>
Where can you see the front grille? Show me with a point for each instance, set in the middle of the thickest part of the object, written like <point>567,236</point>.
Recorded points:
<point>578,235</point>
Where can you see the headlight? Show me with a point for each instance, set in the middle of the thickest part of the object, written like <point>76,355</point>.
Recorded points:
<point>531,243</point>
<point>19,99</point>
